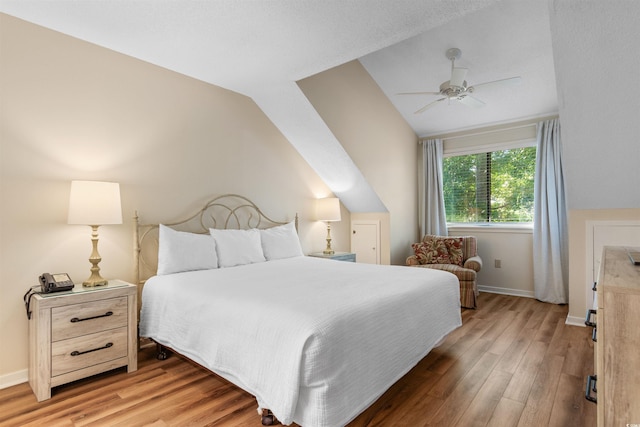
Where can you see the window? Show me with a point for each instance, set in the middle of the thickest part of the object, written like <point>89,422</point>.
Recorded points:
<point>493,187</point>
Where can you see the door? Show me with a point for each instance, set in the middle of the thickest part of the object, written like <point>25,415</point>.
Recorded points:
<point>365,241</point>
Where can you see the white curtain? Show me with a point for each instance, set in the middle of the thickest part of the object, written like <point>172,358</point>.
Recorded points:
<point>550,234</point>
<point>431,198</point>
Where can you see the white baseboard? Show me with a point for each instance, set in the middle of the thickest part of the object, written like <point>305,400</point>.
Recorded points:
<point>14,378</point>
<point>575,321</point>
<point>571,320</point>
<point>506,291</point>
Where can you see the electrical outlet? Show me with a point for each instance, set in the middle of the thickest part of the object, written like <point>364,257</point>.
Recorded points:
<point>497,263</point>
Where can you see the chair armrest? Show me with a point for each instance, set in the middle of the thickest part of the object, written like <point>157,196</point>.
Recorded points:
<point>412,260</point>
<point>474,263</point>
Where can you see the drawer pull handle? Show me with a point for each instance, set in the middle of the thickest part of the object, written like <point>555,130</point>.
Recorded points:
<point>591,379</point>
<point>78,353</point>
<point>77,319</point>
<point>595,287</point>
<point>587,320</point>
<point>594,335</point>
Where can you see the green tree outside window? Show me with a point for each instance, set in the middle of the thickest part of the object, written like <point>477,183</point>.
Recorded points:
<point>490,187</point>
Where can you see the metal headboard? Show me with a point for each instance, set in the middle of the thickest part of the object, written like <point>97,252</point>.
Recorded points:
<point>229,211</point>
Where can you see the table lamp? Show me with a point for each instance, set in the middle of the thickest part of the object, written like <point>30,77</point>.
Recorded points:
<point>94,203</point>
<point>328,210</point>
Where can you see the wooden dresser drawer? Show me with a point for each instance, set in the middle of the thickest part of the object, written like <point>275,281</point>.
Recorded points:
<point>76,353</point>
<point>618,339</point>
<point>81,319</point>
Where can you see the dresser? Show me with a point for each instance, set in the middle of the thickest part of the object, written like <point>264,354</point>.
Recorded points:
<point>617,334</point>
<point>83,332</point>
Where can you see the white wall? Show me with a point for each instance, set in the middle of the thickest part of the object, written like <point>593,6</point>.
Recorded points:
<point>72,110</point>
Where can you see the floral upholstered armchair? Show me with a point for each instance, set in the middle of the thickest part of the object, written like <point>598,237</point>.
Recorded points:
<point>457,255</point>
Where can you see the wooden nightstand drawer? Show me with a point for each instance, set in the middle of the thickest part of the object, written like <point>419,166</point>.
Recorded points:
<point>81,332</point>
<point>88,350</point>
<point>81,319</point>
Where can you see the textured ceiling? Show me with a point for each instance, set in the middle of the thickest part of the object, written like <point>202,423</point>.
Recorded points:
<point>261,48</point>
<point>241,44</point>
<point>244,45</point>
<point>505,40</point>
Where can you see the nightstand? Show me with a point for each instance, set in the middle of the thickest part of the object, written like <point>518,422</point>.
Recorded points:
<point>82,332</point>
<point>340,256</point>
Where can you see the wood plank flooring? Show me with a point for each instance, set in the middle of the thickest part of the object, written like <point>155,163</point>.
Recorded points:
<point>513,363</point>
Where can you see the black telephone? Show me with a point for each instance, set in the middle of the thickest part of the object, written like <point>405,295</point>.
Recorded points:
<point>57,282</point>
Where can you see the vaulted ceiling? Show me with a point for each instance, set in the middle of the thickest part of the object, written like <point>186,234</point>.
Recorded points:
<point>261,48</point>
<point>504,40</point>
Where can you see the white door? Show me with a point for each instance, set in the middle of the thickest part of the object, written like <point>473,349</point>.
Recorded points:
<point>365,241</point>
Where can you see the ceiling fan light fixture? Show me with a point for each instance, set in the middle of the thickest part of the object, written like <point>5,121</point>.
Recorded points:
<point>457,77</point>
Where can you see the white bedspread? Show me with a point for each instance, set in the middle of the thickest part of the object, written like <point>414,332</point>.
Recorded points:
<point>316,341</point>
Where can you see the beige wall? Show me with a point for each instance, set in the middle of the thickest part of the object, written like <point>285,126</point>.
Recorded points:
<point>72,110</point>
<point>377,138</point>
<point>513,246</point>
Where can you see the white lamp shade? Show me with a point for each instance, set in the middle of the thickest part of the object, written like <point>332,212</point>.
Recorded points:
<point>94,203</point>
<point>328,209</point>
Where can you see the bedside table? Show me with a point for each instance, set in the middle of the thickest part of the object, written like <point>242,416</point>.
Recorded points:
<point>340,256</point>
<point>82,332</point>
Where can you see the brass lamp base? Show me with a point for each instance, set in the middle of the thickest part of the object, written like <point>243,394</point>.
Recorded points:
<point>88,284</point>
<point>328,250</point>
<point>95,279</point>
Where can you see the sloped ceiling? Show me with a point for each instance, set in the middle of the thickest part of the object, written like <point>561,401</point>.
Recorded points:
<point>261,48</point>
<point>503,40</point>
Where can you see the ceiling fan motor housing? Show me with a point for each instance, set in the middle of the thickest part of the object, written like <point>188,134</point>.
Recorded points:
<point>446,89</point>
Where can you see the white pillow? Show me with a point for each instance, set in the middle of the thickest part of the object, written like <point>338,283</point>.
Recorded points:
<point>281,242</point>
<point>181,251</point>
<point>237,247</point>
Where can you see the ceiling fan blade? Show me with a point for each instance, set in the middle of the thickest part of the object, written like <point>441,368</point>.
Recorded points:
<point>470,101</point>
<point>418,93</point>
<point>505,82</point>
<point>457,76</point>
<point>431,104</point>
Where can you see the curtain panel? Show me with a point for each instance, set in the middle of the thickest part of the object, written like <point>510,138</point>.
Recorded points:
<point>431,212</point>
<point>550,229</point>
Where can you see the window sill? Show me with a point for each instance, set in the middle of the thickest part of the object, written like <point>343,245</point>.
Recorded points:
<point>526,227</point>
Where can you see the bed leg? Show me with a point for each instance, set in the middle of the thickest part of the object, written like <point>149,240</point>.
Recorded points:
<point>161,352</point>
<point>268,419</point>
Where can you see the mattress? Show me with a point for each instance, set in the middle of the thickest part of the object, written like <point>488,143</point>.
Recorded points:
<point>316,341</point>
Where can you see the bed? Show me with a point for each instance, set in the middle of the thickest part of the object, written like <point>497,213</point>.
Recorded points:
<point>316,341</point>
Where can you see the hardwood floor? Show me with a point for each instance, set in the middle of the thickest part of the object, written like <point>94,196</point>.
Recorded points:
<point>513,363</point>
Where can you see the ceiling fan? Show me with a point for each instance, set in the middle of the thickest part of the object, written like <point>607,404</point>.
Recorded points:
<point>457,88</point>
